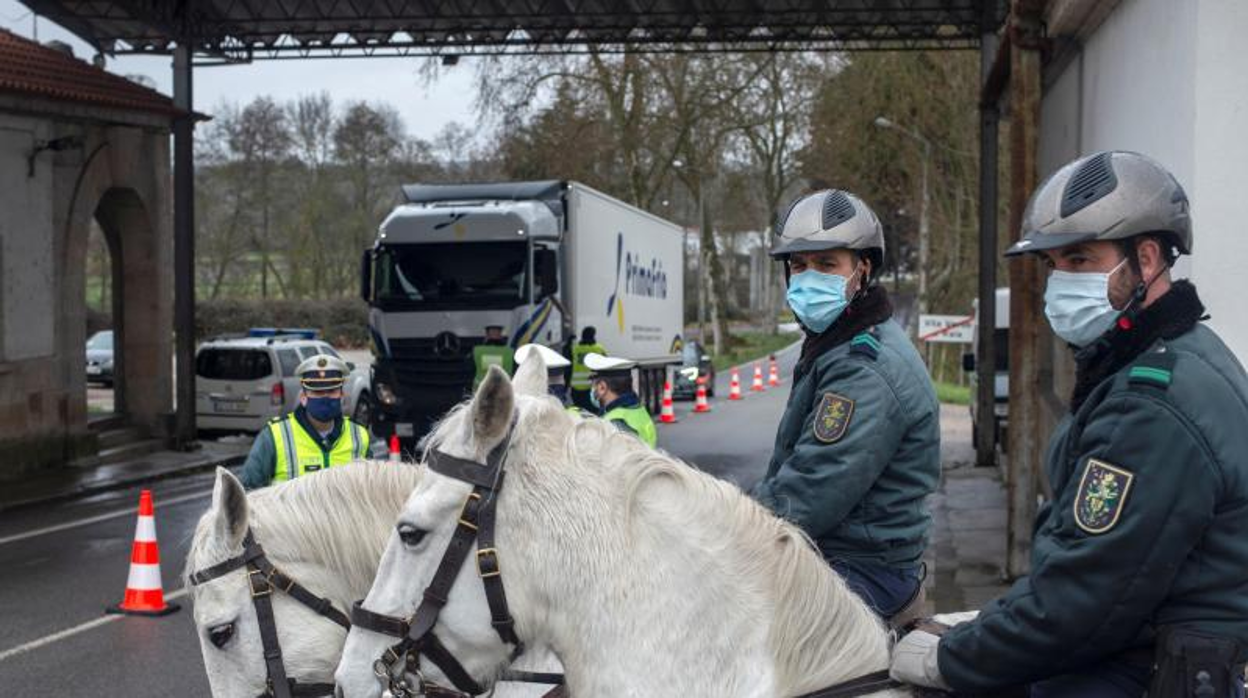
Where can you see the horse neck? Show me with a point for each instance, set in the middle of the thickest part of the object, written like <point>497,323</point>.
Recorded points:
<point>603,574</point>
<point>333,549</point>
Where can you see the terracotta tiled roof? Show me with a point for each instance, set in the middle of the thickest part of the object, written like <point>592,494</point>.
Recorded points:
<point>29,68</point>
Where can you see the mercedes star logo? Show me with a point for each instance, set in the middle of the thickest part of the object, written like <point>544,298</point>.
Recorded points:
<point>446,344</point>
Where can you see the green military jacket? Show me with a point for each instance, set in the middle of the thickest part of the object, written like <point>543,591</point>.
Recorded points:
<point>858,450</point>
<point>1148,525</point>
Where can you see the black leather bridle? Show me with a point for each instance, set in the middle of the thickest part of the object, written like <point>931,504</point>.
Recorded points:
<point>264,578</point>
<point>474,525</point>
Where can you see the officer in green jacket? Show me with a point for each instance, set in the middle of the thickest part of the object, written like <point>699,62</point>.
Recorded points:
<point>858,447</point>
<point>1141,557</point>
<point>313,437</point>
<point>492,351</point>
<point>611,393</point>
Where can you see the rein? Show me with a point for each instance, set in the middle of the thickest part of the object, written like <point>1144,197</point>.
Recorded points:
<point>265,578</point>
<point>417,637</point>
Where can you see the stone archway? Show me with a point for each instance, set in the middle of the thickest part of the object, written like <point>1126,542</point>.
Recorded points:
<point>140,317</point>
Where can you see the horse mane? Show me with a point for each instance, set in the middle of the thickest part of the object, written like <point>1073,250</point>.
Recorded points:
<point>303,519</point>
<point>819,626</point>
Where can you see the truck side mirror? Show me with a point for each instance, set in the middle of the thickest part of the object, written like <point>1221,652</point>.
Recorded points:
<point>968,362</point>
<point>546,270</point>
<point>366,276</point>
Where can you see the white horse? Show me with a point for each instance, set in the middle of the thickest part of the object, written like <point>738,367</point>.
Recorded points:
<point>326,532</point>
<point>645,576</point>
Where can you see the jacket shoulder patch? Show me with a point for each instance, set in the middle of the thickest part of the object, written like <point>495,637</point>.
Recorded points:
<point>832,417</point>
<point>1154,370</point>
<point>865,344</point>
<point>1102,495</point>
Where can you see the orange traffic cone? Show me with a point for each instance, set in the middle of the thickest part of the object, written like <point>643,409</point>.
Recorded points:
<point>702,405</point>
<point>144,594</point>
<point>773,373</point>
<point>395,455</point>
<point>668,415</point>
<point>757,385</point>
<point>734,386</point>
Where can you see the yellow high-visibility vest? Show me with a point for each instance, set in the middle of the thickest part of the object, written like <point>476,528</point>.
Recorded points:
<point>294,445</point>
<point>580,372</point>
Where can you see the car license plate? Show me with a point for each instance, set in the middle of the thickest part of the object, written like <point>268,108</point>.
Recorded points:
<point>93,370</point>
<point>404,429</point>
<point>228,405</point>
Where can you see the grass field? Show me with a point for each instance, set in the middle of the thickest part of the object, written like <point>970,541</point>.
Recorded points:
<point>953,393</point>
<point>748,346</point>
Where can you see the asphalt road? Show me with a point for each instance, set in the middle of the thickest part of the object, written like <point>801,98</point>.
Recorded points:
<point>60,566</point>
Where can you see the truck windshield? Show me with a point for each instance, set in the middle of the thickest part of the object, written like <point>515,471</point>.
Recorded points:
<point>452,275</point>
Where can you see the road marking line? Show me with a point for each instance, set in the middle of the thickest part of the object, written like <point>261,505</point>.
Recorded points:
<point>70,632</point>
<point>130,511</point>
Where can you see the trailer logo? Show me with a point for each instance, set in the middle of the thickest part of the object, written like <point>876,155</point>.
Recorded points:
<point>640,279</point>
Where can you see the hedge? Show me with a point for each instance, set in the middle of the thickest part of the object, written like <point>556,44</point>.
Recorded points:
<point>343,322</point>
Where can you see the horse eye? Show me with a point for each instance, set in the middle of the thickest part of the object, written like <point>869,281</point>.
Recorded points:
<point>410,535</point>
<point>220,635</point>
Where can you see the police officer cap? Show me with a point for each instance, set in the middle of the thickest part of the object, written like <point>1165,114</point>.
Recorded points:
<point>607,366</point>
<point>1110,195</point>
<point>322,372</point>
<point>554,361</point>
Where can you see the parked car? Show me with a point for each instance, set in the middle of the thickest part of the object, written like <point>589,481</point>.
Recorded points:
<point>244,381</point>
<point>692,357</point>
<point>100,357</point>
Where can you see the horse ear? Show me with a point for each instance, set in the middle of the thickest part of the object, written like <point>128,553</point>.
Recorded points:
<point>492,407</point>
<point>531,377</point>
<point>229,502</point>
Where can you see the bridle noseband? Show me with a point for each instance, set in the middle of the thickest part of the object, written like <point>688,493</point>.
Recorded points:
<point>474,525</point>
<point>264,578</point>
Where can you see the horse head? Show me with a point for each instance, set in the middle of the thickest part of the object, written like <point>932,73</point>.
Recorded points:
<point>225,612</point>
<point>490,423</point>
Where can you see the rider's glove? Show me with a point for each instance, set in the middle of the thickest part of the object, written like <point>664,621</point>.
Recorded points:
<point>914,661</point>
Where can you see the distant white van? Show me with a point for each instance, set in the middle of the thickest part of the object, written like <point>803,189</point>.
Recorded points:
<point>1001,381</point>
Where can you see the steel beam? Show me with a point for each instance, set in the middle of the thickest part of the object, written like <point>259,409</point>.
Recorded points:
<point>184,247</point>
<point>985,350</point>
<point>1026,444</point>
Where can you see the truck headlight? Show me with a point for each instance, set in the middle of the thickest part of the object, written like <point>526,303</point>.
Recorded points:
<point>385,395</point>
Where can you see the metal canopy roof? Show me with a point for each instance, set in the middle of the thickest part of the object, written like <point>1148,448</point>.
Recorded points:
<point>255,29</point>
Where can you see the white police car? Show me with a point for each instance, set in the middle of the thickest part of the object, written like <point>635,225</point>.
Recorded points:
<point>241,382</point>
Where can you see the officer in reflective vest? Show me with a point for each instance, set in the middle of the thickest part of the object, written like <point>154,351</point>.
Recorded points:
<point>611,392</point>
<point>556,365</point>
<point>580,372</point>
<point>315,436</point>
<point>492,352</point>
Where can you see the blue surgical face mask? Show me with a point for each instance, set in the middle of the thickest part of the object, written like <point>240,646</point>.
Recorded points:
<point>593,399</point>
<point>324,409</point>
<point>818,299</point>
<point>1078,305</point>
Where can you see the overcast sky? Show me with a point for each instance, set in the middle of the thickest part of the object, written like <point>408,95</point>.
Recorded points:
<point>425,109</point>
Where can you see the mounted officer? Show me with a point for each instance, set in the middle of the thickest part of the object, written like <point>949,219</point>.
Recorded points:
<point>315,436</point>
<point>1139,560</point>
<point>858,447</point>
<point>611,393</point>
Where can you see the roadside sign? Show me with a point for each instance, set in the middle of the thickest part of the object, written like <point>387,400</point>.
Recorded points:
<point>948,329</point>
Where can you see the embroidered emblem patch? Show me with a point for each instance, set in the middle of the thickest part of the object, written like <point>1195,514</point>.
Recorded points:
<point>832,417</point>
<point>1101,496</point>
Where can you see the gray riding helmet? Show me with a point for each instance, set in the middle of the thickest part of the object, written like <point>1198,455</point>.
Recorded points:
<point>1110,195</point>
<point>829,220</point>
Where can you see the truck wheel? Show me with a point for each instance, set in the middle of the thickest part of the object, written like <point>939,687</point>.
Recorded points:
<point>363,414</point>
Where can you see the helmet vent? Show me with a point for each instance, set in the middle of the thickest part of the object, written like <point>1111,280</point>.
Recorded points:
<point>837,209</point>
<point>1093,181</point>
